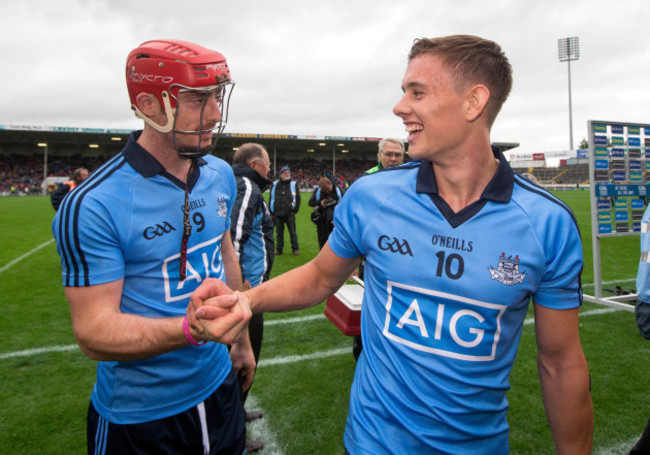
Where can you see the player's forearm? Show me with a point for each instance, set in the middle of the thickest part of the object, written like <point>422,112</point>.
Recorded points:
<point>567,400</point>
<point>296,289</point>
<point>122,336</point>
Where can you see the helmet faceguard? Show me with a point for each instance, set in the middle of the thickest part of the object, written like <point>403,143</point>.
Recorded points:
<point>166,68</point>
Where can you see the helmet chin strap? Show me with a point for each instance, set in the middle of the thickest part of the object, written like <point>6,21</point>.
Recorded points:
<point>168,111</point>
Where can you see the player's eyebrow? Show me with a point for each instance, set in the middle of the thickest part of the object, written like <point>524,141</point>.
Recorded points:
<point>413,85</point>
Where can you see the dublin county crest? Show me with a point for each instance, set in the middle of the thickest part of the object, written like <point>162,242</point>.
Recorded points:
<point>223,208</point>
<point>507,272</point>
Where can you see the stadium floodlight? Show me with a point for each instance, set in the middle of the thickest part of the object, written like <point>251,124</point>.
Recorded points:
<point>568,49</point>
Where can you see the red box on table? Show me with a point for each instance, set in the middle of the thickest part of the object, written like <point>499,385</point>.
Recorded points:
<point>344,309</point>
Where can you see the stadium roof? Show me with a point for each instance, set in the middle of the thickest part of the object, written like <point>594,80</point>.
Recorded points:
<point>100,141</point>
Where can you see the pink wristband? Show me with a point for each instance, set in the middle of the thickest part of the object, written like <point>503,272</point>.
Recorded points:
<point>188,335</point>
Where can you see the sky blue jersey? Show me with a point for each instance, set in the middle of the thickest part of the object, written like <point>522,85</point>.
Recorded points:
<point>126,222</point>
<point>445,299</point>
<point>643,273</point>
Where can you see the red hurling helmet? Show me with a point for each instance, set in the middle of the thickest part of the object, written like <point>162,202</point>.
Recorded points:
<point>164,67</point>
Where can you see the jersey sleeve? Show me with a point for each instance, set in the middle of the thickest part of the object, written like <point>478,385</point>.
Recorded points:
<point>346,238</point>
<point>561,286</point>
<point>88,243</point>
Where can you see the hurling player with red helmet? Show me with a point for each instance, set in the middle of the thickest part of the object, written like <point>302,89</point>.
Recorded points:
<point>135,242</point>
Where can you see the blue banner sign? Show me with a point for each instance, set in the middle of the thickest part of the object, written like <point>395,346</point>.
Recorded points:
<point>637,204</point>
<point>601,164</point>
<point>604,217</point>
<point>609,190</point>
<point>620,204</point>
<point>621,216</point>
<point>618,153</point>
<point>600,140</point>
<point>617,129</point>
<point>601,152</point>
<point>604,204</point>
<point>634,141</point>
<point>604,228</point>
<point>636,176</point>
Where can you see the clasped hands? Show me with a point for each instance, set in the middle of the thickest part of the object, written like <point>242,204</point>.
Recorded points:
<point>216,313</point>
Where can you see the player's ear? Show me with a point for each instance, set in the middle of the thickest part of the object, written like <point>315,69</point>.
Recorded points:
<point>476,102</point>
<point>147,103</point>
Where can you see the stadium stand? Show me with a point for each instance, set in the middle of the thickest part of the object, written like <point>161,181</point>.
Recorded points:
<point>22,151</point>
<point>25,172</point>
<point>572,174</point>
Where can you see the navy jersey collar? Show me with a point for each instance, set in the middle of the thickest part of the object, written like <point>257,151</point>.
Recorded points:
<point>499,189</point>
<point>147,166</point>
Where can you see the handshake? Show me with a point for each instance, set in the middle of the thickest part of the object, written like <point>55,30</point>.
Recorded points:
<point>216,313</point>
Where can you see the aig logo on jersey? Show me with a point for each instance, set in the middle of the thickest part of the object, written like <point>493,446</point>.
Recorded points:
<point>443,324</point>
<point>203,261</point>
<point>394,245</point>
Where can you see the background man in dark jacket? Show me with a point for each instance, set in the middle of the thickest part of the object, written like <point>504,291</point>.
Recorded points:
<point>284,203</point>
<point>251,230</point>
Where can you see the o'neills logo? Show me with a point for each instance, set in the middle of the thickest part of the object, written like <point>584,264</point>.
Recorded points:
<point>140,78</point>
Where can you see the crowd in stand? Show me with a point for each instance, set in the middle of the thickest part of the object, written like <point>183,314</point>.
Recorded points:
<point>307,172</point>
<point>24,173</point>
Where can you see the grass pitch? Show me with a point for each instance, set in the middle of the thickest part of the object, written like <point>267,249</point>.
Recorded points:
<point>307,365</point>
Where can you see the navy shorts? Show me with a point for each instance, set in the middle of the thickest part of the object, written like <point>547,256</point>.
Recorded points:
<point>642,311</point>
<point>216,426</point>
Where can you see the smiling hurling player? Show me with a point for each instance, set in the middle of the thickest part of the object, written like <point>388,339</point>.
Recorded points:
<point>135,240</point>
<point>457,245</point>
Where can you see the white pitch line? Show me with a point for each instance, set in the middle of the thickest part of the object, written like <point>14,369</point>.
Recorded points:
<point>18,259</point>
<point>31,352</point>
<point>622,448</point>
<point>259,430</point>
<point>300,358</point>
<point>274,361</point>
<point>291,320</point>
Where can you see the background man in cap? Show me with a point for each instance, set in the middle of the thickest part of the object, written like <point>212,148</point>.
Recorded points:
<point>284,203</point>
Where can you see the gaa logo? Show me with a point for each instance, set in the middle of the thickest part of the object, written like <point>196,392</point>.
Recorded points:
<point>158,230</point>
<point>394,245</point>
